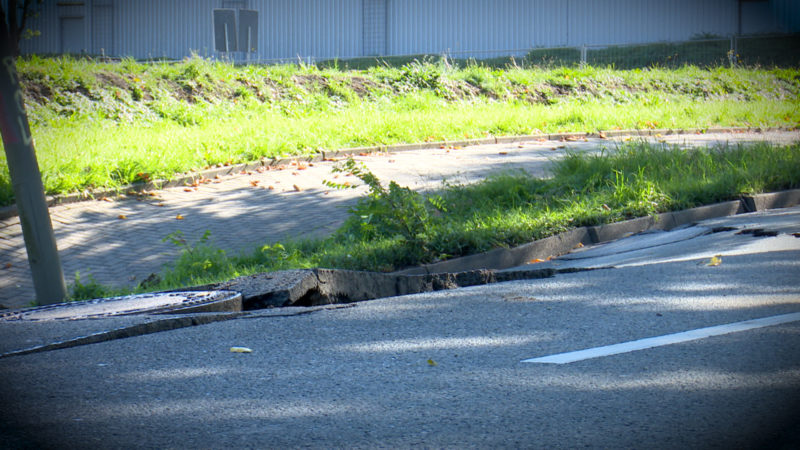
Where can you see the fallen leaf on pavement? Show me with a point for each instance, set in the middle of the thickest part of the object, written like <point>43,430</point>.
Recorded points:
<point>254,182</point>
<point>432,362</point>
<point>8,266</point>
<point>179,217</point>
<point>715,261</point>
<point>519,298</point>
<point>297,188</point>
<point>122,217</point>
<point>106,199</point>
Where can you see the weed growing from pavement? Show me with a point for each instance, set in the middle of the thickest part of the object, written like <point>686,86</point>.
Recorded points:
<point>393,227</point>
<point>99,125</point>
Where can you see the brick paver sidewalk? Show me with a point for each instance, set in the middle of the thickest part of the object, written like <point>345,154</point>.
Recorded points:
<point>120,241</point>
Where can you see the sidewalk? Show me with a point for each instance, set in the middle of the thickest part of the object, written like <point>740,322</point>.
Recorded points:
<point>120,241</point>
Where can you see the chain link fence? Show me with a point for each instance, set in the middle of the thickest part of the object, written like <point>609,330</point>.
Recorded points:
<point>749,51</point>
<point>736,51</point>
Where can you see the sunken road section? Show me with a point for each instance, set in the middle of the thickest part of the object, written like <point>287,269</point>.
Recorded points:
<point>314,287</point>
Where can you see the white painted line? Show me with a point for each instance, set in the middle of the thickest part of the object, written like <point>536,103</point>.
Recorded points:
<point>685,336</point>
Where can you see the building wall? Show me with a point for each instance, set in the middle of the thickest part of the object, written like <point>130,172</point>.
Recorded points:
<point>323,29</point>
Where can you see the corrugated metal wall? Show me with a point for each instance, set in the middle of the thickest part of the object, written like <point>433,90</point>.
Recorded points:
<point>320,28</point>
<point>788,14</point>
<point>174,28</point>
<point>424,26</point>
<point>351,28</point>
<point>595,22</point>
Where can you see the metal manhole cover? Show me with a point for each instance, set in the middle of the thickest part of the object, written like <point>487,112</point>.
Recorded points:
<point>158,303</point>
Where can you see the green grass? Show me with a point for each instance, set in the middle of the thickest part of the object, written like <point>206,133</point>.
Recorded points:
<point>393,227</point>
<point>104,125</point>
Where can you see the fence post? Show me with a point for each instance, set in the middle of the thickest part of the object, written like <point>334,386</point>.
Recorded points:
<point>583,55</point>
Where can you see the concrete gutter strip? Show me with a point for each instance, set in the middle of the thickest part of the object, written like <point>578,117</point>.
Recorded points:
<point>321,155</point>
<point>150,325</point>
<point>172,323</point>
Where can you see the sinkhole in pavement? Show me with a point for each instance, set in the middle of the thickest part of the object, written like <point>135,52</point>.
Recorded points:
<point>299,288</point>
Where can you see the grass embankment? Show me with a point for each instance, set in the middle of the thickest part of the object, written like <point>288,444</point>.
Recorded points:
<point>100,125</point>
<point>394,227</point>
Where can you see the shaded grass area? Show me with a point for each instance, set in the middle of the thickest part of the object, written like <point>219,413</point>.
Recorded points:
<point>104,125</point>
<point>394,227</point>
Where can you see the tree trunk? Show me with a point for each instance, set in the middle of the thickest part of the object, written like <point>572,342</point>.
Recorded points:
<point>48,278</point>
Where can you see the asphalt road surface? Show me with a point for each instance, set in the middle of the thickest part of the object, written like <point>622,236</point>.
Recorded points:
<point>449,370</point>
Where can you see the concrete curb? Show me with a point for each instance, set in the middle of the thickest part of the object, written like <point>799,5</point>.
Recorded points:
<point>190,177</point>
<point>504,258</point>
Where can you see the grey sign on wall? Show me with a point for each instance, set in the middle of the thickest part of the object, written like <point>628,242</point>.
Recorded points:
<point>248,30</point>
<point>225,30</point>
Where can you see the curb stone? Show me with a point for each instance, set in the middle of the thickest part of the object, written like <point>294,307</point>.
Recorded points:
<point>560,244</point>
<point>321,155</point>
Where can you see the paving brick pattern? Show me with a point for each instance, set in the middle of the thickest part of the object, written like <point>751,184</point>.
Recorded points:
<point>120,241</point>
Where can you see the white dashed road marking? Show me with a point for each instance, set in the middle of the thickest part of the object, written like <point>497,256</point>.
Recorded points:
<point>685,336</point>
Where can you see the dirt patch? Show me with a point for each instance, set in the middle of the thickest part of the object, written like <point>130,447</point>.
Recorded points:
<point>362,86</point>
<point>36,91</point>
<point>310,82</point>
<point>112,79</point>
